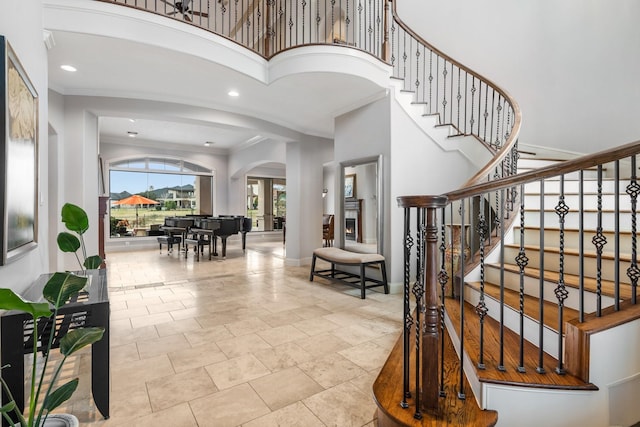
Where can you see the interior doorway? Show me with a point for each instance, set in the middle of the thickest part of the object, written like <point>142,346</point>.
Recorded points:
<point>266,203</point>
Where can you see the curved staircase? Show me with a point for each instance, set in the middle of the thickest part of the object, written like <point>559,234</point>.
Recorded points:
<point>553,271</point>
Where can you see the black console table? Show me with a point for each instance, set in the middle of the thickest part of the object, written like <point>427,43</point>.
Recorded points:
<point>88,309</point>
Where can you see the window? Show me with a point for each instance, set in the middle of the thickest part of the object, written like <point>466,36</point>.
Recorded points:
<point>164,187</point>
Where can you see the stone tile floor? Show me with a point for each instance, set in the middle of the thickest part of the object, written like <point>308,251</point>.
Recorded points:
<point>245,341</point>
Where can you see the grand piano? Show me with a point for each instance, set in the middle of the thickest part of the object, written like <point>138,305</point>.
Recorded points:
<point>230,225</point>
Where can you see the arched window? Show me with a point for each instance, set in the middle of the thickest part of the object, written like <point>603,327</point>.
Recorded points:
<point>162,187</point>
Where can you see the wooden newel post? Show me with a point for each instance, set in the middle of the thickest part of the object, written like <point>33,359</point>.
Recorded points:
<point>431,330</point>
<point>385,42</point>
<point>428,391</point>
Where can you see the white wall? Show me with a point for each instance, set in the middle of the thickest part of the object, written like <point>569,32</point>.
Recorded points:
<point>21,24</point>
<point>571,65</point>
<point>365,133</point>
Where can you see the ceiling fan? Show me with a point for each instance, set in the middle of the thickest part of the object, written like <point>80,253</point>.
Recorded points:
<point>182,7</point>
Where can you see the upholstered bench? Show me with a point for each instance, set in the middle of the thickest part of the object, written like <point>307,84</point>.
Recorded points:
<point>337,256</point>
<point>169,241</point>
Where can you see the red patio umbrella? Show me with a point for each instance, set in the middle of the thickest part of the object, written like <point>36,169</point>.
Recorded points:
<point>136,200</point>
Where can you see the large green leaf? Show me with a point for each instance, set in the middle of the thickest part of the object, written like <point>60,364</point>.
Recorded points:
<point>8,407</point>
<point>92,262</point>
<point>60,395</point>
<point>78,338</point>
<point>75,218</point>
<point>67,242</point>
<point>9,300</point>
<point>61,287</point>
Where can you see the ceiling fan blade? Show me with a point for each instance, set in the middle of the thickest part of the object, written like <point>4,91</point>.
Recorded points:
<point>186,17</point>
<point>172,13</point>
<point>202,14</point>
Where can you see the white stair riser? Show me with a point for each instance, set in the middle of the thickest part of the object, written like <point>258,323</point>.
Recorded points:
<point>573,186</point>
<point>571,220</point>
<point>587,174</point>
<point>532,288</point>
<point>571,241</point>
<point>512,321</point>
<point>590,202</point>
<point>571,264</point>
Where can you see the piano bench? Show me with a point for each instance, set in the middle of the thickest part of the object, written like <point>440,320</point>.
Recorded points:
<point>169,241</point>
<point>197,247</point>
<point>337,256</point>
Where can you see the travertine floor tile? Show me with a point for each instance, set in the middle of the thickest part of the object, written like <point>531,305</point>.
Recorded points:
<point>244,341</point>
<point>295,415</point>
<point>343,405</point>
<point>167,391</point>
<point>228,408</point>
<point>331,370</point>
<point>238,370</point>
<point>285,387</point>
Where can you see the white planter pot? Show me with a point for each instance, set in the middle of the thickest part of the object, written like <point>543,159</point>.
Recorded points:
<point>61,420</point>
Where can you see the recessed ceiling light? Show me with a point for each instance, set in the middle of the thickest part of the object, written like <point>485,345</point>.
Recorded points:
<point>132,134</point>
<point>207,144</point>
<point>233,93</point>
<point>69,68</point>
<point>132,120</point>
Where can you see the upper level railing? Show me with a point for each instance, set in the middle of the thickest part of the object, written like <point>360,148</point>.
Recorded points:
<point>271,26</point>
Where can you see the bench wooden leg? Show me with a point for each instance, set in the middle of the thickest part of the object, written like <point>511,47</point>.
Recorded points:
<point>313,267</point>
<point>383,268</point>
<point>362,282</point>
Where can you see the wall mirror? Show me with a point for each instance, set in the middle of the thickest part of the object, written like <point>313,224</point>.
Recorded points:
<point>361,205</point>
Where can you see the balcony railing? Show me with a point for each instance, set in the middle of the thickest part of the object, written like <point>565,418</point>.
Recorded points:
<point>271,26</point>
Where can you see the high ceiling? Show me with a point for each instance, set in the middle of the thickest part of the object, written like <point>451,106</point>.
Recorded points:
<point>304,103</point>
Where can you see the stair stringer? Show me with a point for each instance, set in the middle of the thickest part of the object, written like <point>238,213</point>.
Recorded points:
<point>537,406</point>
<point>445,136</point>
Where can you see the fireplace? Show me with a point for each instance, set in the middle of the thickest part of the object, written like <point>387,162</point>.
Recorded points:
<point>353,220</point>
<point>350,228</point>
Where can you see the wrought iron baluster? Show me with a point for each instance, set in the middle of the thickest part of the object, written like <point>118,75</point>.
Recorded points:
<point>407,318</point>
<point>444,92</point>
<point>633,189</point>
<point>430,81</point>
<point>599,241</point>
<point>522,261</point>
<point>502,326</point>
<point>458,98</point>
<point>417,82</point>
<point>461,394</point>
<point>443,278</point>
<point>418,293</point>
<point>481,307</point>
<point>616,256</point>
<point>540,368</point>
<point>473,100</point>
<point>560,291</point>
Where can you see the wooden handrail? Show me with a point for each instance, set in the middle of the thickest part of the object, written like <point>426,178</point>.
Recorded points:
<point>581,163</point>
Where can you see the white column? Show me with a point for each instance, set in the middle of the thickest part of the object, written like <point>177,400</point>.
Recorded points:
<point>304,201</point>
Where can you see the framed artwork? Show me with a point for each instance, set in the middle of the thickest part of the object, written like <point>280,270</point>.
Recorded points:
<point>18,158</point>
<point>350,186</point>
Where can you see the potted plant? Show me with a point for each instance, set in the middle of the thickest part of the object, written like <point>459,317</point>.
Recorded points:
<point>60,288</point>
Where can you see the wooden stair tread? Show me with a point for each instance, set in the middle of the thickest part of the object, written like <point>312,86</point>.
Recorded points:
<point>531,305</point>
<point>624,257</point>
<point>573,281</point>
<point>510,376</point>
<point>567,229</point>
<point>387,392</point>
